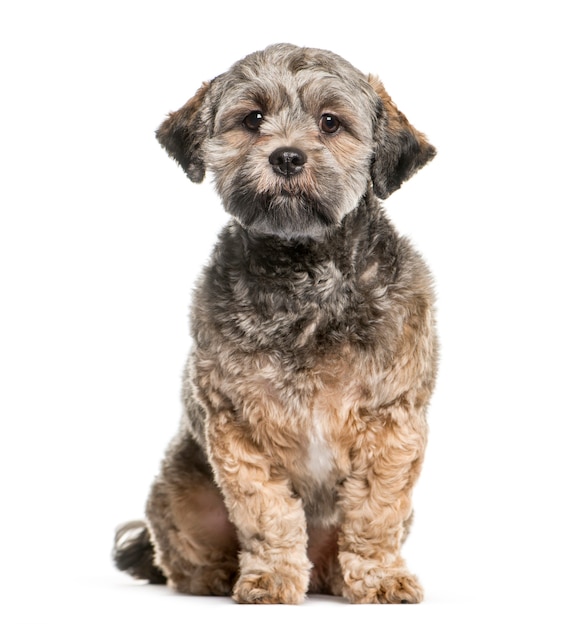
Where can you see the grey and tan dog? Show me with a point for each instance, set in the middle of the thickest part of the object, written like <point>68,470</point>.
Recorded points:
<point>314,350</point>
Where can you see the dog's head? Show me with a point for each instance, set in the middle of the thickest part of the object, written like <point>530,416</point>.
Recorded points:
<point>294,137</point>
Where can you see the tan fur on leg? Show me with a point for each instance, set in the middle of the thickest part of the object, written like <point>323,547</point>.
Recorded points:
<point>376,500</point>
<point>271,523</point>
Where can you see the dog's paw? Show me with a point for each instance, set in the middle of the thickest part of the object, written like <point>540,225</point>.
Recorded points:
<point>384,587</point>
<point>269,588</point>
<point>402,588</point>
<point>215,580</point>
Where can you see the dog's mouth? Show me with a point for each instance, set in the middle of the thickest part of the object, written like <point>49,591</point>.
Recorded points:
<point>284,214</point>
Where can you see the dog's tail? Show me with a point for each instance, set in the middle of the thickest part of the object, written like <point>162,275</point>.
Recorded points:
<point>133,552</point>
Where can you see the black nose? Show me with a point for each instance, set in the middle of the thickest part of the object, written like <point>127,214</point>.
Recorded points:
<point>287,161</point>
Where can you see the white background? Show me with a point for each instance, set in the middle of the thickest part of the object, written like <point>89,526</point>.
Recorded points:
<point>102,236</point>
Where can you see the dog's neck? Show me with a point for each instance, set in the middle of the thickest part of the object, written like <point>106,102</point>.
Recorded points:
<point>341,277</point>
<point>349,246</point>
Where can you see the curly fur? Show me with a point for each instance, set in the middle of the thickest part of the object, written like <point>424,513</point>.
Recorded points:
<point>314,350</point>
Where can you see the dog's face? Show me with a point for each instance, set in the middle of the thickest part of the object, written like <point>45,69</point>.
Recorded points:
<point>294,137</point>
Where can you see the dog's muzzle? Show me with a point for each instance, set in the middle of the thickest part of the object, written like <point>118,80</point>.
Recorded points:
<point>287,161</point>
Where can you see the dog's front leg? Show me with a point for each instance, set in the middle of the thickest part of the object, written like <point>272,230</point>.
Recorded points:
<point>270,520</point>
<point>376,503</point>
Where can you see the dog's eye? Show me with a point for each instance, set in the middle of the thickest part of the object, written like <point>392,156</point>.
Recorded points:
<point>253,120</point>
<point>329,123</point>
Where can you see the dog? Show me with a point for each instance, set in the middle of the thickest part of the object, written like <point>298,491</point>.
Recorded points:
<point>314,345</point>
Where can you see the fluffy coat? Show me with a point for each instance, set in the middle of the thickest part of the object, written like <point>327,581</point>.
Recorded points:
<point>314,347</point>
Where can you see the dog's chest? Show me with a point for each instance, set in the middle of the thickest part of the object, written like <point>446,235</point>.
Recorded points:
<point>299,349</point>
<point>320,460</point>
<point>309,420</point>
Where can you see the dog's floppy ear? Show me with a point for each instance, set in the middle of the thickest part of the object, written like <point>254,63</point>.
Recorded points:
<point>184,131</point>
<point>400,150</point>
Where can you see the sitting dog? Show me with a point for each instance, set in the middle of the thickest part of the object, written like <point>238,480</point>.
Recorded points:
<point>314,350</point>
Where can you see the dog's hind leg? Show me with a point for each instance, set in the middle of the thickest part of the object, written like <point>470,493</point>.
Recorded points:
<point>194,545</point>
